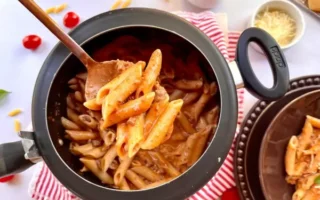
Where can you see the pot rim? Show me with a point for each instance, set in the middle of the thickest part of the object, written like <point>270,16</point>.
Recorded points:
<point>218,148</point>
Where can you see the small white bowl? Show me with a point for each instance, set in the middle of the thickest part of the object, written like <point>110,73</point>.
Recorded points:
<point>291,10</point>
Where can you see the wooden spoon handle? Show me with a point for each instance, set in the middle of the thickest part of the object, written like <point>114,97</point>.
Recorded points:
<point>57,31</point>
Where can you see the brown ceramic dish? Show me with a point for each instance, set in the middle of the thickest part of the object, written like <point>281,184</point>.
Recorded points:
<point>249,140</point>
<point>288,122</point>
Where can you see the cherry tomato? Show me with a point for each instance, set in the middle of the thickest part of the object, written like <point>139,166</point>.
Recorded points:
<point>31,42</point>
<point>6,179</point>
<point>71,19</point>
<point>230,194</point>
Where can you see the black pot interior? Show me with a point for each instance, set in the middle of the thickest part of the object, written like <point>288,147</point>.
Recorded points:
<point>59,88</point>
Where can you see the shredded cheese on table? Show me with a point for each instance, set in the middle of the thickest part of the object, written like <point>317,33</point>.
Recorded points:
<point>278,24</point>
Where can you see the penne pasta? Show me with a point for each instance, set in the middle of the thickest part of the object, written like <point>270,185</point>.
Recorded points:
<point>70,103</point>
<point>83,76</point>
<point>200,145</point>
<point>315,122</point>
<point>96,152</point>
<point>314,164</point>
<point>298,194</point>
<point>154,113</point>
<point>130,109</point>
<point>93,167</point>
<point>146,173</point>
<point>60,8</point>
<point>121,171</point>
<point>310,195</point>
<point>150,122</point>
<point>188,84</point>
<point>213,115</point>
<point>17,125</point>
<point>136,163</point>
<point>14,112</point>
<point>124,185</point>
<point>104,91</point>
<point>80,149</point>
<point>73,81</point>
<point>82,85</point>
<point>307,182</point>
<point>126,3</point>
<point>135,179</point>
<point>177,94</point>
<point>81,135</point>
<point>190,97</point>
<point>151,74</point>
<point>290,157</point>
<point>305,137</point>
<point>160,129</point>
<point>74,87</point>
<point>122,92</point>
<point>95,114</point>
<point>116,4</point>
<point>202,123</point>
<point>74,117</point>
<point>188,148</point>
<point>108,137</point>
<point>122,139</point>
<point>69,125</point>
<point>162,162</point>
<point>108,158</point>
<point>78,96</point>
<point>209,92</point>
<point>88,121</point>
<point>114,165</point>
<point>135,131</point>
<point>92,104</point>
<point>300,168</point>
<point>184,122</point>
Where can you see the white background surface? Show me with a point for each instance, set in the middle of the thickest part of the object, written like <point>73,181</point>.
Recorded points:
<point>19,67</point>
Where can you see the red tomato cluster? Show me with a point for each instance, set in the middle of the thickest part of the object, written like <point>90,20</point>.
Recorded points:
<point>70,20</point>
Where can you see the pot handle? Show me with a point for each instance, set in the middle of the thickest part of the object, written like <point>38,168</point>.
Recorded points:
<point>276,59</point>
<point>12,159</point>
<point>16,157</point>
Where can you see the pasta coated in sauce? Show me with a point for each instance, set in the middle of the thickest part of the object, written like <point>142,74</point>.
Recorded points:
<point>138,133</point>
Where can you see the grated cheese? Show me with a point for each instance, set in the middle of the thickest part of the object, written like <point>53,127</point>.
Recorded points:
<point>278,24</point>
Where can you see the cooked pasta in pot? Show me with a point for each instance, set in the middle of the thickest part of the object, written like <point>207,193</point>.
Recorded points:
<point>146,126</point>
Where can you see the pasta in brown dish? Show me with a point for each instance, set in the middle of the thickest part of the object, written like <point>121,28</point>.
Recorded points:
<point>302,161</point>
<point>147,125</point>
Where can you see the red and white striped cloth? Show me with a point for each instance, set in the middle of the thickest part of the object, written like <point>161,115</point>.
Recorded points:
<point>44,186</point>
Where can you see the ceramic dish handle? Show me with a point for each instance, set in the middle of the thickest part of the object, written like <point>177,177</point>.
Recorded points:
<point>16,157</point>
<point>276,59</point>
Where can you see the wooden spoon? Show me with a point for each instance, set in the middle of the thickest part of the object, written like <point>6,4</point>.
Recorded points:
<point>99,73</point>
